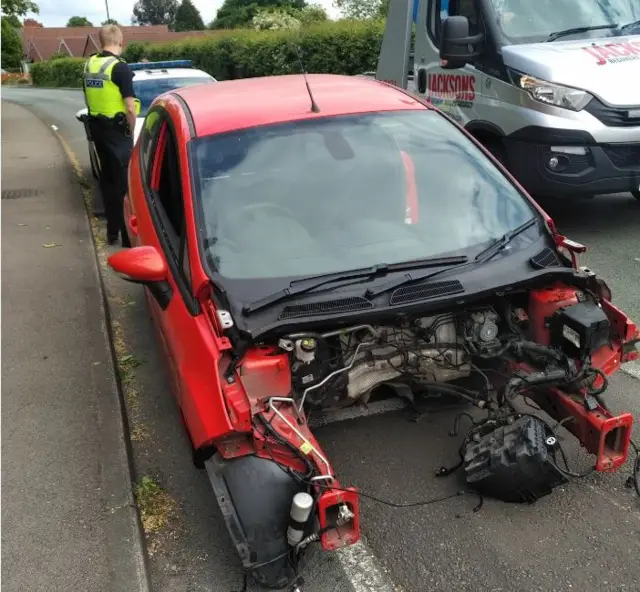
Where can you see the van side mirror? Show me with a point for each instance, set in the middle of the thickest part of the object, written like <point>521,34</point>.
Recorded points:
<point>457,47</point>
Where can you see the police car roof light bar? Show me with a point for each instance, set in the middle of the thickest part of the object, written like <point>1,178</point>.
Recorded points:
<point>161,65</point>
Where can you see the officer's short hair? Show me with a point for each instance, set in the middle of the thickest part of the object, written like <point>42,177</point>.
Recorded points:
<point>110,35</point>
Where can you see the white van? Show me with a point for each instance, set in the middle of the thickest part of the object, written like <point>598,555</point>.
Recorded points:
<point>551,87</point>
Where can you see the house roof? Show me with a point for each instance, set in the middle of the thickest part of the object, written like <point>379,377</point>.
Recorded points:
<point>74,46</point>
<point>40,43</point>
<point>42,49</point>
<point>37,33</point>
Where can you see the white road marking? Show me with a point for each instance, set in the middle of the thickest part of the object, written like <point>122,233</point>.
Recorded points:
<point>363,570</point>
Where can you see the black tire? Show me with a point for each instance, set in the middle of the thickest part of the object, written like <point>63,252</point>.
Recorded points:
<point>636,193</point>
<point>496,147</point>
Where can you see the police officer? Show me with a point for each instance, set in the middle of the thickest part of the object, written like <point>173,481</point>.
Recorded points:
<point>111,102</point>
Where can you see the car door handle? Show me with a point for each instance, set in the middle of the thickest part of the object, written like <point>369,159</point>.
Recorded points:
<point>133,224</point>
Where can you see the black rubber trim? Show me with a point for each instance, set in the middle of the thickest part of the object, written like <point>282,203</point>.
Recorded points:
<point>484,126</point>
<point>160,226</point>
<point>187,113</point>
<point>161,291</point>
<point>545,135</point>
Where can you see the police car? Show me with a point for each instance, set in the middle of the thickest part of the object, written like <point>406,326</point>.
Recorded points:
<point>150,79</point>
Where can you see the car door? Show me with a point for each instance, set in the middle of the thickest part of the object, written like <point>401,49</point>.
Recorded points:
<point>185,332</point>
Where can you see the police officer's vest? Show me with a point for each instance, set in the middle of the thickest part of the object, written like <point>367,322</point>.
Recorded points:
<point>103,97</point>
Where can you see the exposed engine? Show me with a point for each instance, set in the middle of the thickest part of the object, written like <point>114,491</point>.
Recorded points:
<point>340,367</point>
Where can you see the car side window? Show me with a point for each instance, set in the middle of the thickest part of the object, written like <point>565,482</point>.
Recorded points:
<point>437,11</point>
<point>150,129</point>
<point>167,201</point>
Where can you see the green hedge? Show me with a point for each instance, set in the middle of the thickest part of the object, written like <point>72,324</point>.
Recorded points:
<point>345,47</point>
<point>58,72</point>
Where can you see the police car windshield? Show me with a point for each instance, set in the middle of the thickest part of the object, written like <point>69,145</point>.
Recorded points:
<point>148,90</point>
<point>339,193</point>
<point>526,21</point>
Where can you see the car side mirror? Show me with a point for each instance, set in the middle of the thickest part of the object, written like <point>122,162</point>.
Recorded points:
<point>457,47</point>
<point>144,265</point>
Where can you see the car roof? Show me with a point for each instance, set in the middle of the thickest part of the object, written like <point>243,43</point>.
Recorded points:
<point>160,73</point>
<point>250,102</point>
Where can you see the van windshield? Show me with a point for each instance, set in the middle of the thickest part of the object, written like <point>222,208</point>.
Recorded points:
<point>527,21</point>
<point>339,193</point>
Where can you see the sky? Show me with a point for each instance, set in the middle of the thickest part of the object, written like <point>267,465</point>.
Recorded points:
<point>56,13</point>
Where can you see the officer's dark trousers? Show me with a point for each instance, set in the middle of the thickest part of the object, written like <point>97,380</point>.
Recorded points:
<point>114,150</point>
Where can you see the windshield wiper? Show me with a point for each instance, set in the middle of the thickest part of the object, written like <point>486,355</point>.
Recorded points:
<point>302,286</point>
<point>483,256</point>
<point>630,25</point>
<point>576,30</point>
<point>494,248</point>
<point>454,262</point>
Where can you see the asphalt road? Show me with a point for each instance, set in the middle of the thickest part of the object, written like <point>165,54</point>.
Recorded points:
<point>584,536</point>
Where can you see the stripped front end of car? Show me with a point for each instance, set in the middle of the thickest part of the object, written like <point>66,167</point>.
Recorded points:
<point>555,345</point>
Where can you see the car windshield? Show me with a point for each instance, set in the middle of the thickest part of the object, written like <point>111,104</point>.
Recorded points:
<point>148,90</point>
<point>333,194</point>
<point>524,21</point>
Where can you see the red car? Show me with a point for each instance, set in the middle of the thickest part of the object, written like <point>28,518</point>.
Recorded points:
<point>324,246</point>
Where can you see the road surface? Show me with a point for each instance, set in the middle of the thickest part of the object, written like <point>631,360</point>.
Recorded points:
<point>585,536</point>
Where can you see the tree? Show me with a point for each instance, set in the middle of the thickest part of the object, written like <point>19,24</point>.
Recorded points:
<point>239,13</point>
<point>79,21</point>
<point>313,13</point>
<point>110,22</point>
<point>155,12</point>
<point>13,20</point>
<point>19,7</point>
<point>272,20</point>
<point>188,18</point>
<point>11,46</point>
<point>360,9</point>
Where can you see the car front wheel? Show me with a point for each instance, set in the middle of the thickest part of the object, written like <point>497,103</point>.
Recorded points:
<point>636,193</point>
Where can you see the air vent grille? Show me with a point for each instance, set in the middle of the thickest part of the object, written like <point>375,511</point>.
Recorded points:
<point>328,307</point>
<point>425,291</point>
<point>545,258</point>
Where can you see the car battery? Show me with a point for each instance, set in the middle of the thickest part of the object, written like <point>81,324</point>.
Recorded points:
<point>580,330</point>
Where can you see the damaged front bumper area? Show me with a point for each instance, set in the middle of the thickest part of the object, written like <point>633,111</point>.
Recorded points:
<point>554,346</point>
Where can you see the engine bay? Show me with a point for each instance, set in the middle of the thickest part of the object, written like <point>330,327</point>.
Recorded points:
<point>450,351</point>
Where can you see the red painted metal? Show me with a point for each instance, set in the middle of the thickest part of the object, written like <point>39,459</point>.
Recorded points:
<point>348,533</point>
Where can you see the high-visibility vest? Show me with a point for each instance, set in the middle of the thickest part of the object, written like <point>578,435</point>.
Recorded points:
<point>103,97</point>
